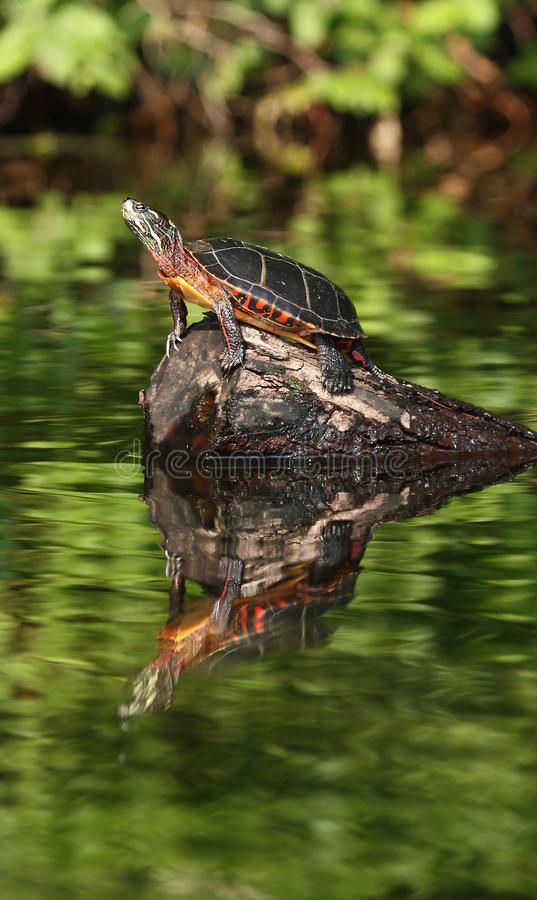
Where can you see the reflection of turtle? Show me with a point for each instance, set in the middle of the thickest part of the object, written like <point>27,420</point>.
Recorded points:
<point>285,616</point>
<point>268,556</point>
<point>258,286</point>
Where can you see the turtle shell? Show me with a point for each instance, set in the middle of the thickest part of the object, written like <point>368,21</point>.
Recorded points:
<point>276,287</point>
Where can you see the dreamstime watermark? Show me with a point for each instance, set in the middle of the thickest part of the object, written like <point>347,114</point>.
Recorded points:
<point>130,462</point>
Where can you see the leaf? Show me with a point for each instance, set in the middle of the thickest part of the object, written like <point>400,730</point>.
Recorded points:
<point>439,17</point>
<point>389,62</point>
<point>85,50</point>
<point>231,71</point>
<point>435,61</point>
<point>354,89</point>
<point>17,45</point>
<point>308,22</point>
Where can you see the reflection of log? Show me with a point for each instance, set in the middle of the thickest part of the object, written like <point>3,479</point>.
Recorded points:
<point>275,404</point>
<point>275,521</point>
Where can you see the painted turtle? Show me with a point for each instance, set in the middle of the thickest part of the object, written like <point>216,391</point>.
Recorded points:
<point>257,286</point>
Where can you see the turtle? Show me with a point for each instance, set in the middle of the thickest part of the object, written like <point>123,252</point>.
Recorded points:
<point>246,282</point>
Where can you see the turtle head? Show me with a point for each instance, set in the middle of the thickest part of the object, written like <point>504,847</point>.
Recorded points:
<point>156,232</point>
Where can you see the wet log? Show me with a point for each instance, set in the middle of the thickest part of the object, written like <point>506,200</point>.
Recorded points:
<point>275,405</point>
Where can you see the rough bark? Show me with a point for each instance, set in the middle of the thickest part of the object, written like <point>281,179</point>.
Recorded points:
<point>275,404</point>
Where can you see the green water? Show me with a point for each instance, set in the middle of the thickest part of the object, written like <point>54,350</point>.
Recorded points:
<point>393,757</point>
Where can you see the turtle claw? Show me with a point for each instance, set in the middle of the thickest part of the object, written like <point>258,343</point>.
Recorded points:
<point>172,342</point>
<point>340,382</point>
<point>229,360</point>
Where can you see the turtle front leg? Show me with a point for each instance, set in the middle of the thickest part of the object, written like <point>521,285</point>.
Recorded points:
<point>178,309</point>
<point>233,355</point>
<point>336,374</point>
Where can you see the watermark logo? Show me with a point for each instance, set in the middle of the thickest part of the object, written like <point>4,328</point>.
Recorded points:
<point>130,462</point>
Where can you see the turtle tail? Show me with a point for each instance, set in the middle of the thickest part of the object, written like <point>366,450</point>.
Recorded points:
<point>361,358</point>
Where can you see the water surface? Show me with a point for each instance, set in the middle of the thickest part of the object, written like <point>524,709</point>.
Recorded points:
<point>393,754</point>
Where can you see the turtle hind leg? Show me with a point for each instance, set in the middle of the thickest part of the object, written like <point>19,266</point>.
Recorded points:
<point>361,358</point>
<point>233,355</point>
<point>336,374</point>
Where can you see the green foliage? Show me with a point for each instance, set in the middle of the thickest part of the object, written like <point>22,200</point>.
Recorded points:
<point>440,17</point>
<point>358,57</point>
<point>78,46</point>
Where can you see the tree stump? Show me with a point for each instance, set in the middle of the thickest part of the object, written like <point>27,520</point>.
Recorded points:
<point>275,405</point>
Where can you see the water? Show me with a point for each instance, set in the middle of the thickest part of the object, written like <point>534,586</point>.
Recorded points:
<point>375,739</point>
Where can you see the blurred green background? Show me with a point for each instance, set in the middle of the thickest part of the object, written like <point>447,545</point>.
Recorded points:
<point>391,145</point>
<point>296,84</point>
